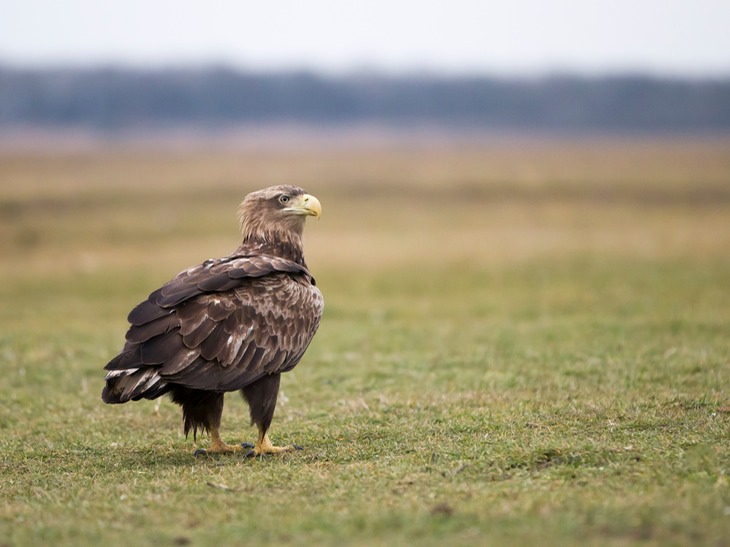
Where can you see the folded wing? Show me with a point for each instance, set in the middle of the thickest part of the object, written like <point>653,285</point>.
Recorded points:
<point>220,326</point>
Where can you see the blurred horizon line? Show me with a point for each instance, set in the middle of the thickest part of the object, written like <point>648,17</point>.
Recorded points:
<point>265,138</point>
<point>214,99</point>
<point>364,69</point>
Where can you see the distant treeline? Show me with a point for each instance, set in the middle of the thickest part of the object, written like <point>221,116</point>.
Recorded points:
<point>116,99</point>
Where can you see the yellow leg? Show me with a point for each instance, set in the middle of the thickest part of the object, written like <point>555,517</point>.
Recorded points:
<point>264,446</point>
<point>217,446</point>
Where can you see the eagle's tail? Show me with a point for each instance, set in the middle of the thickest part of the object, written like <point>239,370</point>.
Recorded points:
<point>132,385</point>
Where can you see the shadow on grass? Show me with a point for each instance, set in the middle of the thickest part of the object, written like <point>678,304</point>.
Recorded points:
<point>104,458</point>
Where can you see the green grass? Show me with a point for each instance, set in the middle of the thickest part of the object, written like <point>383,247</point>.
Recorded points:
<point>547,367</point>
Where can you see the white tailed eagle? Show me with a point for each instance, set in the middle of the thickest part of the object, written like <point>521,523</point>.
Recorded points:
<point>228,324</point>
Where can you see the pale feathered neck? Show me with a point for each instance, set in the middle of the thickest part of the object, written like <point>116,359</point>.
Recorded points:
<point>283,239</point>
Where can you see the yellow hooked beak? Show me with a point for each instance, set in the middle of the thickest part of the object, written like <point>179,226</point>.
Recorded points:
<point>306,205</point>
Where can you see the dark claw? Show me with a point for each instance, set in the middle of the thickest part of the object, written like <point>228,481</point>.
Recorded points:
<point>297,447</point>
<point>250,454</point>
<point>246,445</point>
<point>200,452</point>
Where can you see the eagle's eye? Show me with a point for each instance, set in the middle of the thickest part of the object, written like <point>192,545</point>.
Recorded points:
<point>284,199</point>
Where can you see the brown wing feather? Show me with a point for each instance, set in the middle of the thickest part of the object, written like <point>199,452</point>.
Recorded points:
<point>157,350</point>
<point>215,343</point>
<point>195,336</point>
<point>161,325</point>
<point>147,311</point>
<point>181,360</point>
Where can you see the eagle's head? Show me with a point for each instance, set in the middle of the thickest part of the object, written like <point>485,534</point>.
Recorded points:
<point>276,214</point>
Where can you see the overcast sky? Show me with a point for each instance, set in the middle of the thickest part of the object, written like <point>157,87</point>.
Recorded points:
<point>670,37</point>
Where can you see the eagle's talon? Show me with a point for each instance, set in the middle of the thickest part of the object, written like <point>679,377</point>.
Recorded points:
<point>200,452</point>
<point>246,445</point>
<point>265,448</point>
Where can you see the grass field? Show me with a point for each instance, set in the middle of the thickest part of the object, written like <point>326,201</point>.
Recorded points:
<point>523,342</point>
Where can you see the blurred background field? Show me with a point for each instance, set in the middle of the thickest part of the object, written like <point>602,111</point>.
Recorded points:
<point>523,339</point>
<point>485,202</point>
